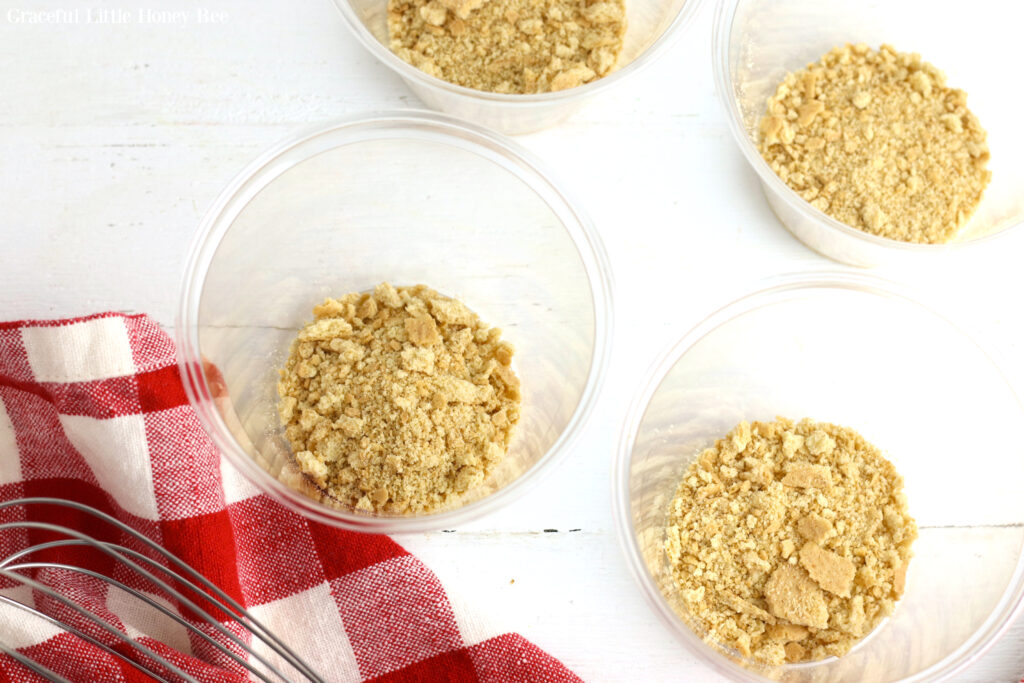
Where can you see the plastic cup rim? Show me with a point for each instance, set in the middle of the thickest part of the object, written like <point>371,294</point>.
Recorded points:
<point>724,14</point>
<point>410,73</point>
<point>462,135</point>
<point>1010,605</point>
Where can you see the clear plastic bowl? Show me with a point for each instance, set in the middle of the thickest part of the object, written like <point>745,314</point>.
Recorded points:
<point>756,42</point>
<point>409,197</point>
<point>848,349</point>
<point>652,25</point>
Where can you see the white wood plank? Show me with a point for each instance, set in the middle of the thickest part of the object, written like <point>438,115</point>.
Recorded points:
<point>572,594</point>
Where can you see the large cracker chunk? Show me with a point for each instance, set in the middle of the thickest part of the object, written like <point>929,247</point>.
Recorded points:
<point>786,633</point>
<point>814,527</point>
<point>422,330</point>
<point>832,572</point>
<point>734,602</point>
<point>805,475</point>
<point>792,596</point>
<point>451,312</point>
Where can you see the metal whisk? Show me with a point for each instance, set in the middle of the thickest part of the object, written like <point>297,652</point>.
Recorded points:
<point>178,578</point>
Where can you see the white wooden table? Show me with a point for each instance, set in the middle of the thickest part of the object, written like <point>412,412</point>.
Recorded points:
<point>116,137</point>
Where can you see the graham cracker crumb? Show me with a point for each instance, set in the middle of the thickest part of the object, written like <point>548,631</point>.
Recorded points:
<point>806,485</point>
<point>900,580</point>
<point>877,140</point>
<point>830,571</point>
<point>422,330</point>
<point>806,475</point>
<point>794,652</point>
<point>509,46</point>
<point>397,402</point>
<point>786,632</point>
<point>814,528</point>
<point>792,596</point>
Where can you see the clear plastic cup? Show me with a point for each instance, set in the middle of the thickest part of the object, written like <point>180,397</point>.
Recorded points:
<point>652,25</point>
<point>756,42</point>
<point>852,350</point>
<point>409,197</point>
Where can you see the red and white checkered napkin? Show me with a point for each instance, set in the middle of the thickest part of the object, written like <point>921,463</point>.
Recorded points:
<point>93,410</point>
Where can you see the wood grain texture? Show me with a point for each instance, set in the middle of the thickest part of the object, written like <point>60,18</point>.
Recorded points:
<point>117,137</point>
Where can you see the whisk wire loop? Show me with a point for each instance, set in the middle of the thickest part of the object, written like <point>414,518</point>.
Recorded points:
<point>186,577</point>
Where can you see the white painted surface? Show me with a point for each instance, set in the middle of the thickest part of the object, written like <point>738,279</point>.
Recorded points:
<point>116,137</point>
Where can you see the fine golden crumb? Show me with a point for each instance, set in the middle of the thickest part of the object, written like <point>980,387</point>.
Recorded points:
<point>877,140</point>
<point>398,401</point>
<point>509,46</point>
<point>789,541</point>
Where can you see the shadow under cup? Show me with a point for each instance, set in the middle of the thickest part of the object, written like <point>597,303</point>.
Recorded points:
<point>846,350</point>
<point>406,199</point>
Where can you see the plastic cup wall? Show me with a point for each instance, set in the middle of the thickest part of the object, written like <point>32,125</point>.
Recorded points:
<point>651,24</point>
<point>885,367</point>
<point>758,41</point>
<point>408,205</point>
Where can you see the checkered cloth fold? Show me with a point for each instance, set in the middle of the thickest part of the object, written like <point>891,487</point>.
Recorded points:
<point>93,410</point>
